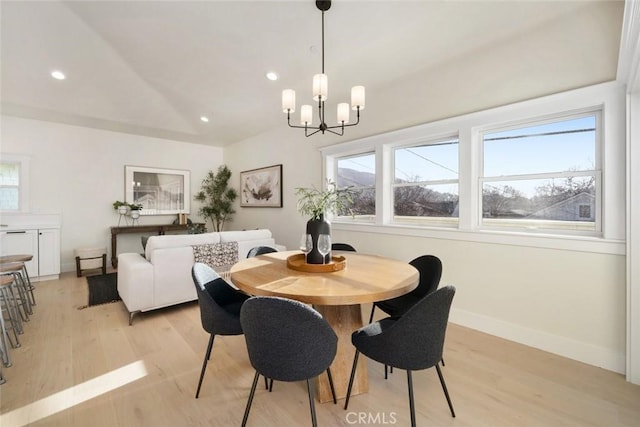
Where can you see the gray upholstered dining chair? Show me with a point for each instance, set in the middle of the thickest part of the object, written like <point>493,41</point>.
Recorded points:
<point>260,250</point>
<point>287,341</point>
<point>430,269</point>
<point>342,247</point>
<point>414,341</point>
<point>219,308</point>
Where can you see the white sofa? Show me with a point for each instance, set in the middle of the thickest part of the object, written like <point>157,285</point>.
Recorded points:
<point>162,277</point>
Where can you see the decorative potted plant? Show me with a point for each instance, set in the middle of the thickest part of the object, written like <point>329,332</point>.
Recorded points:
<point>135,210</point>
<point>315,203</point>
<point>218,197</point>
<point>121,207</point>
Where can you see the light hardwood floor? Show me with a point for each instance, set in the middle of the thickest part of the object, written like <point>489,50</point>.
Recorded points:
<point>90,368</point>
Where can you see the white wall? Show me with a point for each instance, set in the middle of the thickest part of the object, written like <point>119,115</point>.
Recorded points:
<point>568,301</point>
<point>79,172</point>
<point>301,167</point>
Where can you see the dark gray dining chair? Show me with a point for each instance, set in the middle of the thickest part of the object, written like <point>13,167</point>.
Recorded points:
<point>430,269</point>
<point>287,341</point>
<point>219,307</point>
<point>260,250</point>
<point>342,247</point>
<point>414,341</point>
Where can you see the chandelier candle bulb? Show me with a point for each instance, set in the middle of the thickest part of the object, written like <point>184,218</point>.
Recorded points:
<point>343,112</point>
<point>320,87</point>
<point>288,100</point>
<point>357,97</point>
<point>306,113</point>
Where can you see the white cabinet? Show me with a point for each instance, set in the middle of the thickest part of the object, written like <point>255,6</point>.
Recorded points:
<point>16,242</point>
<point>42,244</point>
<point>48,252</point>
<point>34,234</point>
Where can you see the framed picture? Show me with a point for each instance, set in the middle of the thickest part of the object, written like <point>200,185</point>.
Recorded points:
<point>261,188</point>
<point>159,191</point>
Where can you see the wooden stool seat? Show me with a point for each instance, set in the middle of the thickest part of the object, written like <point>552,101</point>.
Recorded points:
<point>5,280</point>
<point>16,258</point>
<point>11,267</point>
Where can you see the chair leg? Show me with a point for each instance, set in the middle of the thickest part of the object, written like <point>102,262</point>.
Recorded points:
<point>411,404</point>
<point>312,405</point>
<point>373,308</point>
<point>333,390</point>
<point>351,378</point>
<point>442,361</point>
<point>253,391</point>
<point>386,372</point>
<point>268,384</point>
<point>204,364</point>
<point>446,392</point>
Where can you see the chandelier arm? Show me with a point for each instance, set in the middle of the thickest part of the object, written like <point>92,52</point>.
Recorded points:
<point>309,134</point>
<point>289,122</point>
<point>334,132</point>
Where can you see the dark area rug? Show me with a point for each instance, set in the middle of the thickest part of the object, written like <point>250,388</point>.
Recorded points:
<point>103,289</point>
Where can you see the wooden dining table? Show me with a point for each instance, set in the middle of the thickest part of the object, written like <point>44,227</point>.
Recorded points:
<point>337,295</point>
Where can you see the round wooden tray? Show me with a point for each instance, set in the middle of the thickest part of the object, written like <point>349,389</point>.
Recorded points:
<point>298,262</point>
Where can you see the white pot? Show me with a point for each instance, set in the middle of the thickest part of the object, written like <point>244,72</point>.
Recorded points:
<point>122,210</point>
<point>135,214</point>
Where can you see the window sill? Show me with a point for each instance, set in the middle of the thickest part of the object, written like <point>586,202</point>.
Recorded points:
<point>512,238</point>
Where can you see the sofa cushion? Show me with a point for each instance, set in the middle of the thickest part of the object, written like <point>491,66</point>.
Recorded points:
<point>219,256</point>
<point>179,240</point>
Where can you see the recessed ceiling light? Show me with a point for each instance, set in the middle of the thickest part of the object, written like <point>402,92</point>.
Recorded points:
<point>272,76</point>
<point>58,75</point>
<point>204,119</point>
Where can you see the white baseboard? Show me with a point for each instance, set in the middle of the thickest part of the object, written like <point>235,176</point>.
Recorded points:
<point>566,347</point>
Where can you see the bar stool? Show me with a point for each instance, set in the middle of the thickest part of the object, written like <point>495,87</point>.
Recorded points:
<point>8,303</point>
<point>24,258</point>
<point>15,269</point>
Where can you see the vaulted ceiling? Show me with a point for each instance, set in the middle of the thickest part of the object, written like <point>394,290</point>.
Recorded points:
<point>155,67</point>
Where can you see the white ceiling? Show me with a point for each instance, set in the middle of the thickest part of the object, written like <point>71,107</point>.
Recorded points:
<point>154,67</point>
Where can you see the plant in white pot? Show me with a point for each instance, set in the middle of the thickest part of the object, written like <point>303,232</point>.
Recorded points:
<point>121,207</point>
<point>135,210</point>
<point>316,203</point>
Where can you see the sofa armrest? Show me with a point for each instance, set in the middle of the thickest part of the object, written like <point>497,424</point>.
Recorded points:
<point>135,281</point>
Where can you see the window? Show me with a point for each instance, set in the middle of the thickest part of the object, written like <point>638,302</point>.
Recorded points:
<point>425,183</point>
<point>542,175</point>
<point>10,186</point>
<point>359,173</point>
<point>546,172</point>
<point>14,183</point>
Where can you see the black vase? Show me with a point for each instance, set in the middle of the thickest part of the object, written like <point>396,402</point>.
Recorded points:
<point>315,227</point>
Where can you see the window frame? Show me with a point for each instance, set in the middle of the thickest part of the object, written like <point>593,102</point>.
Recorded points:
<point>609,97</point>
<point>447,222</point>
<point>544,225</point>
<point>334,177</point>
<point>23,183</point>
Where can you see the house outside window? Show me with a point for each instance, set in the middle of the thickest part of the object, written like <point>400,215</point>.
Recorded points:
<point>542,175</point>
<point>425,183</point>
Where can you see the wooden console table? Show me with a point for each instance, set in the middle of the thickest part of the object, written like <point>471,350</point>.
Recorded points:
<point>159,228</point>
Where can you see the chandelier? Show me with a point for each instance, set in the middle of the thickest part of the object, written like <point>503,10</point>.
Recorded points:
<point>320,89</point>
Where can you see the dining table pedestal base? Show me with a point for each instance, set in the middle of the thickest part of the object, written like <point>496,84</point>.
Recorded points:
<point>344,319</point>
